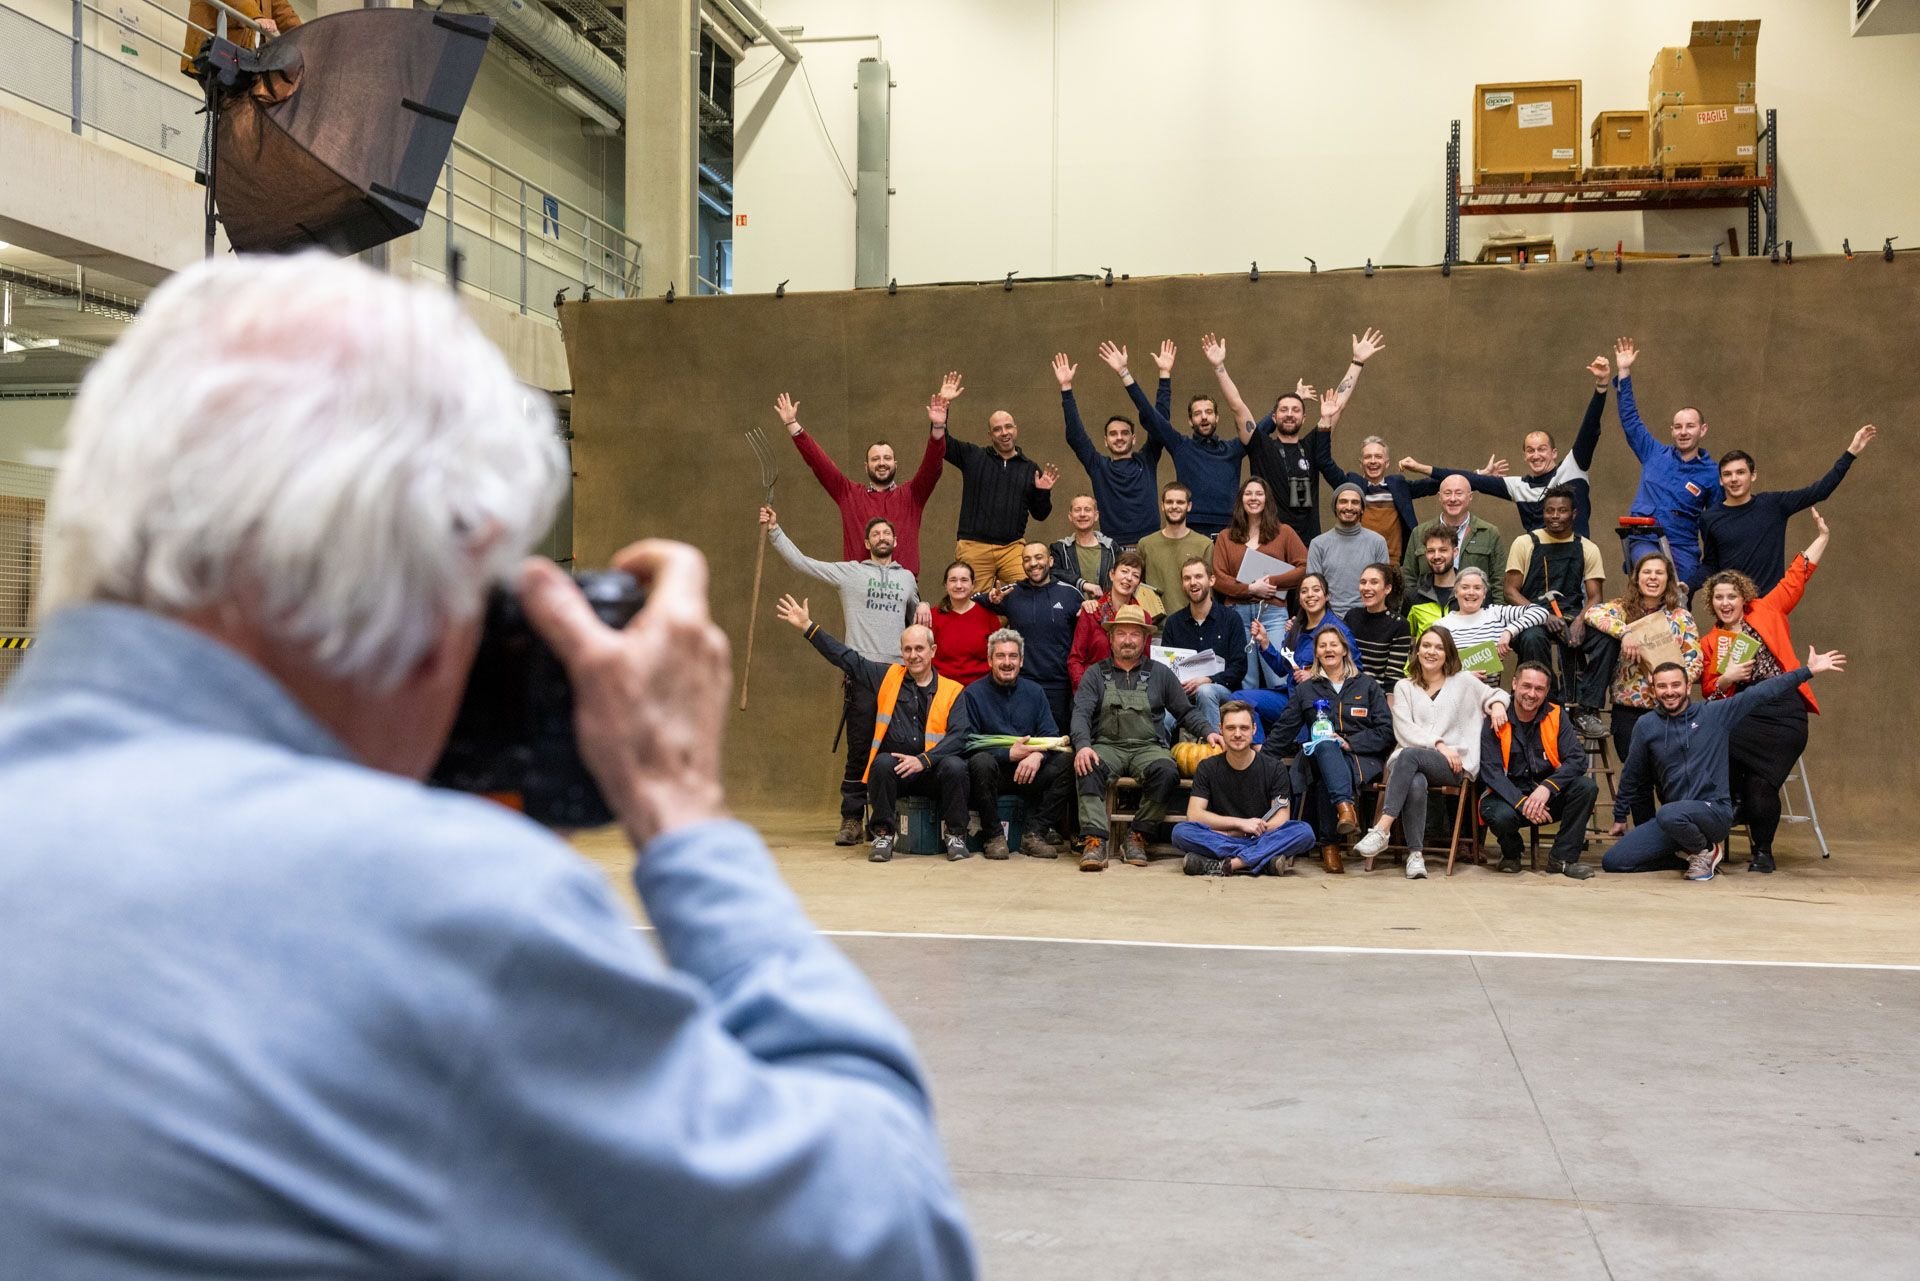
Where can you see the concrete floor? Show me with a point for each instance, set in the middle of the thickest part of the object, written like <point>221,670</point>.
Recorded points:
<point>1453,1086</point>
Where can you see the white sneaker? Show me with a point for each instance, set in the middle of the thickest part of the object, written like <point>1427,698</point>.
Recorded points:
<point>1371,844</point>
<point>1416,867</point>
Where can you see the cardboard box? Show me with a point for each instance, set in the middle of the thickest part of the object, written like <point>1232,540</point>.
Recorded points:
<point>1707,135</point>
<point>1526,127</point>
<point>1716,65</point>
<point>1621,138</point>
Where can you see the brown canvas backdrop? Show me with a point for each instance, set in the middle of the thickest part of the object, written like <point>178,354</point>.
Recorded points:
<point>1784,361</point>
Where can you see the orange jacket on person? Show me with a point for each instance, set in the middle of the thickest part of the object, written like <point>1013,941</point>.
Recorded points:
<point>1767,615</point>
<point>200,14</point>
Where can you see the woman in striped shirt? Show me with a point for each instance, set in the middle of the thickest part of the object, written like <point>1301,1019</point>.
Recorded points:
<point>1378,624</point>
<point>1473,622</point>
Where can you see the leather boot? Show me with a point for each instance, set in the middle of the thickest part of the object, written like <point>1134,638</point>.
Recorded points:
<point>1330,858</point>
<point>1348,822</point>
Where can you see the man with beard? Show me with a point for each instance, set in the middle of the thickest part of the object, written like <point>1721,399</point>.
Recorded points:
<point>1562,571</point>
<point>1000,487</point>
<point>1343,551</point>
<point>881,497</point>
<point>1682,750</point>
<point>1125,478</point>
<point>1044,611</point>
<point>1010,704</point>
<point>1175,543</point>
<point>1207,465</point>
<point>878,596</point>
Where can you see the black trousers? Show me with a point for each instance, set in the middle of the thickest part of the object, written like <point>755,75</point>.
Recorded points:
<point>945,783</point>
<point>1759,759</point>
<point>1046,796</point>
<point>1624,719</point>
<point>1586,669</point>
<point>1061,702</point>
<point>858,705</point>
<point>1572,807</point>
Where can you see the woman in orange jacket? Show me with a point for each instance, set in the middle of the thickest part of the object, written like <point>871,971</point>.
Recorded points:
<point>1773,736</point>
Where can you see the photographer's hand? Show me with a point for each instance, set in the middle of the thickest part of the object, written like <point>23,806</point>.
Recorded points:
<point>650,737</point>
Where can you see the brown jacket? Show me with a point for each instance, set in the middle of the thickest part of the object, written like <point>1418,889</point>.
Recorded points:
<point>202,14</point>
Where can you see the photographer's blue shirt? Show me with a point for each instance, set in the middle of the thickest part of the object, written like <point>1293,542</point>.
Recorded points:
<point>271,1013</point>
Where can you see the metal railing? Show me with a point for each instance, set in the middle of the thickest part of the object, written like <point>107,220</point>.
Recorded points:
<point>520,243</point>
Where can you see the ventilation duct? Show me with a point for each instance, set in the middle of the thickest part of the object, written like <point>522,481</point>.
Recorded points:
<point>561,47</point>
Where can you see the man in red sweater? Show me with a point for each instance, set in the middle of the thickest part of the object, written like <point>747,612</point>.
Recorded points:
<point>882,495</point>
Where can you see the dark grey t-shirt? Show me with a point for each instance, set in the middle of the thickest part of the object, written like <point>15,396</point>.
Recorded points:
<point>1247,793</point>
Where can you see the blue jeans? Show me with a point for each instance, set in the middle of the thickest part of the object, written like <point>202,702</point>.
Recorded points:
<point>1289,840</point>
<point>1274,618</point>
<point>1678,828</point>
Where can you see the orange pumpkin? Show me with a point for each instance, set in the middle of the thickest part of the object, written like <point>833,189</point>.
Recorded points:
<point>1189,755</point>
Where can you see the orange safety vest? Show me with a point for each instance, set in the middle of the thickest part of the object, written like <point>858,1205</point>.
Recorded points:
<point>1549,737</point>
<point>945,692</point>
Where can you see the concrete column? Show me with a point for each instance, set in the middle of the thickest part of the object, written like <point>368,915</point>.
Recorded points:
<point>663,61</point>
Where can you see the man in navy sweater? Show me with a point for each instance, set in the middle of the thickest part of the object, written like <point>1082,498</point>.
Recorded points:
<point>1127,484</point>
<point>1207,465</point>
<point>1682,749</point>
<point>1206,624</point>
<point>1748,531</point>
<point>1011,704</point>
<point>1043,610</point>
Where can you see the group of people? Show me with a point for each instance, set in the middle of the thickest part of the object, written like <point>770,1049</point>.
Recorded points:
<point>1315,662</point>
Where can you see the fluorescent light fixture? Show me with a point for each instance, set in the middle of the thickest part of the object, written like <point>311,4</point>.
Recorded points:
<point>586,106</point>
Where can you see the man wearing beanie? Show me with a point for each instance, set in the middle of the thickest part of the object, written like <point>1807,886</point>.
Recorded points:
<point>1342,552</point>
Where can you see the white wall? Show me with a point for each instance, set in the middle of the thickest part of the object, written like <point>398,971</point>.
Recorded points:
<point>32,430</point>
<point>1061,136</point>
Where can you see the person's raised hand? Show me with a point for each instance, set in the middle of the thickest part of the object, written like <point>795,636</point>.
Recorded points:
<point>1601,372</point>
<point>1214,348</point>
<point>1496,466</point>
<point>768,517</point>
<point>651,738</point>
<point>1365,345</point>
<point>1304,390</point>
<point>789,610</point>
<point>1331,403</point>
<point>937,410</point>
<point>1862,438</point>
<point>1115,357</point>
<point>1048,474</point>
<point>1163,359</point>
<point>1624,354</point>
<point>789,410</point>
<point>1084,761</point>
<point>1819,521</point>
<point>1064,370</point>
<point>1412,464</point>
<point>1831,661</point>
<point>950,388</point>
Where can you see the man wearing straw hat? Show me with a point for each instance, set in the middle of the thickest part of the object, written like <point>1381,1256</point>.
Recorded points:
<point>1119,728</point>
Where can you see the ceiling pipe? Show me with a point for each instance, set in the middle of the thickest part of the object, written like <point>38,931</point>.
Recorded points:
<point>565,49</point>
<point>747,16</point>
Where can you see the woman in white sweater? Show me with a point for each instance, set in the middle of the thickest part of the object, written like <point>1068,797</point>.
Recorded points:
<point>1474,622</point>
<point>1437,714</point>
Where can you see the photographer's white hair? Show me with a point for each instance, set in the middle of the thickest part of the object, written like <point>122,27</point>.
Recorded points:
<point>336,454</point>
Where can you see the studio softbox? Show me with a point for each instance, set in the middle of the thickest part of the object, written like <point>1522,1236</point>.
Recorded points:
<point>340,138</point>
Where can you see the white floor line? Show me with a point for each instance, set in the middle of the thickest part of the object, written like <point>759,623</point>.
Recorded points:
<point>1336,950</point>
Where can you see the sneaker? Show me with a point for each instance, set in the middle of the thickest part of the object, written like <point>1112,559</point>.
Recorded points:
<point>996,848</point>
<point>1034,847</point>
<point>957,848</point>
<point>1282,866</point>
<point>1701,866</point>
<point>851,831</point>
<point>1510,864</point>
<point>1416,867</point>
<point>1093,855</point>
<point>1136,850</point>
<point>1371,844</point>
<point>1589,724</point>
<point>1577,871</point>
<point>1762,861</point>
<point>1199,864</point>
<point>882,851</point>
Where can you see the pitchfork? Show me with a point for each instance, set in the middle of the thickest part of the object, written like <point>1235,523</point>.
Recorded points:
<point>769,473</point>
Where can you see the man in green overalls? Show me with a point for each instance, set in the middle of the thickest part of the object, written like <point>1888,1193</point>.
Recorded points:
<point>1555,567</point>
<point>1119,728</point>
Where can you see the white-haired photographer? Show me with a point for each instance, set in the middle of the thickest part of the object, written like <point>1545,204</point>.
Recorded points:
<point>273,1006</point>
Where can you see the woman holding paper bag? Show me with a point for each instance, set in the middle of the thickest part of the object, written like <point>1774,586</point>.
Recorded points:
<point>1750,643</point>
<point>1652,628</point>
<point>1258,597</point>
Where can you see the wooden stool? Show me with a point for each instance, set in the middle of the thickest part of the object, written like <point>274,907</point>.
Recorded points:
<point>1605,773</point>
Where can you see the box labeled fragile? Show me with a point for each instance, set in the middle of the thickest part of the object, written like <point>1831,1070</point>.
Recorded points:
<point>1717,64</point>
<point>1526,127</point>
<point>1717,136</point>
<point>1621,138</point>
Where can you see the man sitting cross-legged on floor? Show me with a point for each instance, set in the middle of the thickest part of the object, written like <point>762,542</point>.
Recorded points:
<point>1533,770</point>
<point>913,703</point>
<point>1682,750</point>
<point>1007,703</point>
<point>1119,729</point>
<point>1240,818</point>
